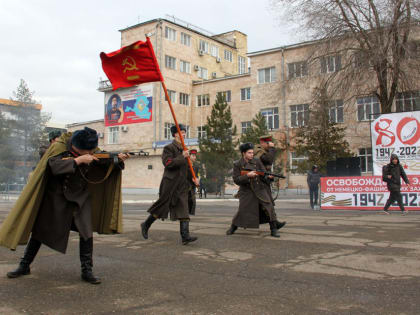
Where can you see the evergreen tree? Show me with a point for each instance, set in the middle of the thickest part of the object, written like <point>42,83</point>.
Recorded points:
<point>321,140</point>
<point>217,149</point>
<point>258,128</point>
<point>30,124</point>
<point>6,152</point>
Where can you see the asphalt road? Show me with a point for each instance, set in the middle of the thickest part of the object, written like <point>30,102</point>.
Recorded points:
<point>324,263</point>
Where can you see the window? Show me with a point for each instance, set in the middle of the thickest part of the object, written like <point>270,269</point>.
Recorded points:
<point>245,94</point>
<point>408,101</point>
<point>228,55</point>
<point>266,75</point>
<point>170,33</point>
<point>170,62</point>
<point>366,107</point>
<point>336,111</point>
<point>271,117</point>
<point>295,161</point>
<point>185,39</point>
<point>184,66</point>
<point>201,132</point>
<point>113,135</point>
<point>297,69</point>
<point>214,51</point>
<point>245,125</point>
<point>330,64</point>
<point>241,65</point>
<point>203,100</point>
<point>365,155</point>
<point>172,96</point>
<point>226,95</point>
<point>202,73</point>
<point>167,131</point>
<point>184,99</point>
<point>299,115</point>
<point>204,46</point>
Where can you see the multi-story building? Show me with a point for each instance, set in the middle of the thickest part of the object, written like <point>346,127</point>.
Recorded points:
<point>197,65</point>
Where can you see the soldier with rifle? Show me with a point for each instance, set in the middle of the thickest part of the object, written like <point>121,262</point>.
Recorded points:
<point>193,187</point>
<point>266,152</point>
<point>64,194</point>
<point>255,205</point>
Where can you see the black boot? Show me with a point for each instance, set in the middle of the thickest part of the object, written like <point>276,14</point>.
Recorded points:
<point>28,257</point>
<point>145,226</point>
<point>273,228</point>
<point>232,229</point>
<point>387,205</point>
<point>185,232</point>
<point>86,250</point>
<point>279,225</point>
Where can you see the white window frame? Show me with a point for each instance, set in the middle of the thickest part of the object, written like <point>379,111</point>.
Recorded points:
<point>272,117</point>
<point>214,50</point>
<point>185,39</point>
<point>167,135</point>
<point>202,73</point>
<point>407,101</point>
<point>297,69</point>
<point>228,55</point>
<point>335,107</point>
<point>204,46</point>
<point>366,108</point>
<point>365,155</point>
<point>330,64</point>
<point>184,99</point>
<point>170,33</point>
<point>227,95</point>
<point>201,132</point>
<point>184,66</point>
<point>113,135</point>
<point>170,62</point>
<point>203,100</point>
<point>294,159</point>
<point>246,94</point>
<point>172,96</point>
<point>267,75</point>
<point>299,114</point>
<point>241,65</point>
<point>245,125</point>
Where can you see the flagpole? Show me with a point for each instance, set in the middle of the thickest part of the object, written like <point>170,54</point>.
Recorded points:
<point>177,128</point>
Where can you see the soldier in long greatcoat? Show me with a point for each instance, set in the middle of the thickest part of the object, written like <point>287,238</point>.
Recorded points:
<point>65,204</point>
<point>255,206</point>
<point>173,190</point>
<point>265,151</point>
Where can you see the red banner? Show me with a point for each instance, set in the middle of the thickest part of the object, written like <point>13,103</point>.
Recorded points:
<point>131,65</point>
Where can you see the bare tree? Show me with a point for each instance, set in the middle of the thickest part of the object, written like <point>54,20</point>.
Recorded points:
<point>364,47</point>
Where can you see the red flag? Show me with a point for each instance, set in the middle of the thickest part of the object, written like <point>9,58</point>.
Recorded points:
<point>131,65</point>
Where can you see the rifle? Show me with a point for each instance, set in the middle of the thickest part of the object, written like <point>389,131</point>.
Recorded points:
<point>262,173</point>
<point>114,155</point>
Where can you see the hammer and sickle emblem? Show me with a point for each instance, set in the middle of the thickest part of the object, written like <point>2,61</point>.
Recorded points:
<point>130,64</point>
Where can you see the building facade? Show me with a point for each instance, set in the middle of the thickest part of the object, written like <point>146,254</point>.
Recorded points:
<point>197,65</point>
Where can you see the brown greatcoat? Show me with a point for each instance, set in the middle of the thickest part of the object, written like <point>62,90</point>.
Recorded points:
<point>174,187</point>
<point>55,195</point>
<point>255,206</point>
<point>267,158</point>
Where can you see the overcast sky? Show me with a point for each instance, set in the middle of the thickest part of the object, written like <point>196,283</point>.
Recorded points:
<point>54,45</point>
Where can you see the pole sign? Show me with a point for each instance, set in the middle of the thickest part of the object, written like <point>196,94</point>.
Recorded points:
<point>397,133</point>
<point>366,193</point>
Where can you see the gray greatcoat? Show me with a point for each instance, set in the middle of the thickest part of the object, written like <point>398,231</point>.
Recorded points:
<point>66,201</point>
<point>174,187</point>
<point>255,206</point>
